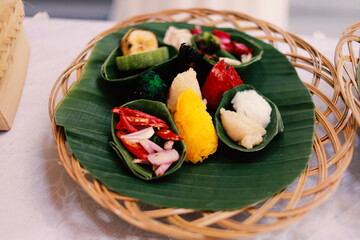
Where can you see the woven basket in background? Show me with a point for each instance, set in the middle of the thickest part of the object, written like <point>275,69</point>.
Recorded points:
<point>332,146</point>
<point>347,57</point>
<point>14,56</point>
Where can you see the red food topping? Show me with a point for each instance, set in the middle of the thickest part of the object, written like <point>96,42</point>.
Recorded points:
<point>124,124</point>
<point>235,48</point>
<point>133,147</point>
<point>240,49</point>
<point>196,30</point>
<point>136,113</point>
<point>223,36</point>
<point>141,121</point>
<point>167,134</point>
<point>232,47</point>
<point>135,128</point>
<point>222,77</point>
<point>227,47</point>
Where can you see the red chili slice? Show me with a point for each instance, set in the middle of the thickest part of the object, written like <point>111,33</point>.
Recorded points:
<point>136,113</point>
<point>124,124</point>
<point>141,121</point>
<point>167,134</point>
<point>134,147</point>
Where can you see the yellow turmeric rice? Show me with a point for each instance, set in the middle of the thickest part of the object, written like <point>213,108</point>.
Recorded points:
<point>195,126</point>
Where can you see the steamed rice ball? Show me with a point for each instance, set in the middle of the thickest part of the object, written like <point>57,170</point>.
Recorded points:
<point>180,83</point>
<point>251,104</point>
<point>246,125</point>
<point>241,129</point>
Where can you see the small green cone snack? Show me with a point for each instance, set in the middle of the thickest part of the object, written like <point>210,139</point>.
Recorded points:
<point>152,87</point>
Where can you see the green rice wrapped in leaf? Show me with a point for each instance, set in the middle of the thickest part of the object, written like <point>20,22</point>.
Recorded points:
<point>152,87</point>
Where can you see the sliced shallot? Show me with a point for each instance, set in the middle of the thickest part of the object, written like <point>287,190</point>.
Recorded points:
<point>168,145</point>
<point>146,144</point>
<point>146,133</point>
<point>164,157</point>
<point>156,147</point>
<point>162,169</point>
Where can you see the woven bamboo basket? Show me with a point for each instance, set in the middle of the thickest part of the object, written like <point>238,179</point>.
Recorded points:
<point>347,57</point>
<point>332,146</point>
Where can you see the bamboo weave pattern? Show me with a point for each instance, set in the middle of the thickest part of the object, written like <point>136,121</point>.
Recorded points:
<point>347,57</point>
<point>11,17</point>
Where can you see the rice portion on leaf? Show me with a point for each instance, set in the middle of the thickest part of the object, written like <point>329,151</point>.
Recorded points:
<point>195,126</point>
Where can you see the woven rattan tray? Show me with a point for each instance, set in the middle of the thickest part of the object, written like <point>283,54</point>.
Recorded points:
<point>333,142</point>
<point>347,56</point>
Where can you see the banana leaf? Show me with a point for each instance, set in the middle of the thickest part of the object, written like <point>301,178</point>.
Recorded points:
<point>228,179</point>
<point>274,127</point>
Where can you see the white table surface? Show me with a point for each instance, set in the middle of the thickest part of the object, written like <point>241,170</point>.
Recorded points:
<point>38,200</point>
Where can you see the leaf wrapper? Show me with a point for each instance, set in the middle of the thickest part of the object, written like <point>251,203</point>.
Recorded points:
<point>274,127</point>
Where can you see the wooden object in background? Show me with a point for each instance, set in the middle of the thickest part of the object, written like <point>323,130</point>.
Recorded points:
<point>14,58</point>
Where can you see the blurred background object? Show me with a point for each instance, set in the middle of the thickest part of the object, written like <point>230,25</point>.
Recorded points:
<point>275,11</point>
<point>75,9</point>
<point>327,17</point>
<point>14,59</point>
<point>330,17</point>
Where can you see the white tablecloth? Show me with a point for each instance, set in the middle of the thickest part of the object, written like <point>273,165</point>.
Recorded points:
<point>40,201</point>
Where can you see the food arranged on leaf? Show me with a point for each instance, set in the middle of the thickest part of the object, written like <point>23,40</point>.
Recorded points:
<point>221,78</point>
<point>245,120</point>
<point>138,41</point>
<point>246,125</point>
<point>152,86</point>
<point>135,130</point>
<point>146,139</point>
<point>233,177</point>
<point>219,45</point>
<point>195,126</point>
<point>176,37</point>
<point>192,92</point>
<point>140,50</point>
<point>183,81</point>
<point>216,45</point>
